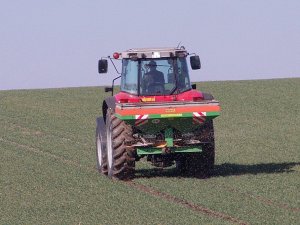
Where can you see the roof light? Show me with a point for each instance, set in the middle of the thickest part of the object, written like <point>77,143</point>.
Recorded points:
<point>116,55</point>
<point>155,54</point>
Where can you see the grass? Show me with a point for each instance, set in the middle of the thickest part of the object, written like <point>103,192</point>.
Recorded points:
<point>48,175</point>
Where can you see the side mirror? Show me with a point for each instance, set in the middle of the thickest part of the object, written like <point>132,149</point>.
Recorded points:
<point>195,62</point>
<point>194,86</point>
<point>102,66</point>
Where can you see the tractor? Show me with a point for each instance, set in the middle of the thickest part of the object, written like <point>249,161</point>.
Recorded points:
<point>157,115</point>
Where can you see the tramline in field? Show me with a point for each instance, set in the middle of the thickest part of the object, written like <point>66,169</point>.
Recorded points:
<point>157,114</point>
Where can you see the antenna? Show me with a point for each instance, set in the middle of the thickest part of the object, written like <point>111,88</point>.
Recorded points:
<point>179,44</point>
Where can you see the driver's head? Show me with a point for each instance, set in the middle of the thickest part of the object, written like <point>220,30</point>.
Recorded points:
<point>152,65</point>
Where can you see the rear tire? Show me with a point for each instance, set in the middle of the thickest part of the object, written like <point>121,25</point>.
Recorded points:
<point>200,164</point>
<point>120,158</point>
<point>181,164</point>
<point>208,154</point>
<point>208,159</point>
<point>101,147</point>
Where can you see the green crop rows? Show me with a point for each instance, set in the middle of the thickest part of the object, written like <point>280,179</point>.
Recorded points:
<point>48,173</point>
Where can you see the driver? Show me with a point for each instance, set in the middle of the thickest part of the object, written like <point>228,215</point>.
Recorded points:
<point>153,76</point>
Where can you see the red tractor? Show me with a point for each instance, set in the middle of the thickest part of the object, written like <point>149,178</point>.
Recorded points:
<point>157,114</point>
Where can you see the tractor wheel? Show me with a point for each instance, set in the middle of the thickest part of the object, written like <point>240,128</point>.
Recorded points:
<point>208,158</point>
<point>181,164</point>
<point>120,158</point>
<point>208,154</point>
<point>101,147</point>
<point>201,164</point>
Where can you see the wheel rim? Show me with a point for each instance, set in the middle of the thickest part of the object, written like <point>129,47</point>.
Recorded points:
<point>109,147</point>
<point>99,150</point>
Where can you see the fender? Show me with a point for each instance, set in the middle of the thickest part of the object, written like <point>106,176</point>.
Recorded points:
<point>109,102</point>
<point>101,126</point>
<point>207,96</point>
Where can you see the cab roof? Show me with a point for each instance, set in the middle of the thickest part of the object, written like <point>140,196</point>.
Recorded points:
<point>154,53</point>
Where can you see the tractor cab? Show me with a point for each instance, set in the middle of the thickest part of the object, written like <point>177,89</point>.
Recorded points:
<point>156,115</point>
<point>154,72</point>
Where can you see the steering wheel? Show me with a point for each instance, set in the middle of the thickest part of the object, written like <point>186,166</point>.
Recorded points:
<point>156,87</point>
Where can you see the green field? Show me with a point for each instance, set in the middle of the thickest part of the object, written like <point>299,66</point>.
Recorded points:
<point>48,165</point>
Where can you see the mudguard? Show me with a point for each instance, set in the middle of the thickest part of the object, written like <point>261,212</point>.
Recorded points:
<point>207,96</point>
<point>101,126</point>
<point>109,102</point>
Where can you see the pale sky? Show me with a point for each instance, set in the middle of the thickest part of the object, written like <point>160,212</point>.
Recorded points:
<point>48,43</point>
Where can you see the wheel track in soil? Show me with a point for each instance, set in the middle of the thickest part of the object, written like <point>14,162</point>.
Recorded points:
<point>259,198</point>
<point>41,132</point>
<point>47,154</point>
<point>171,198</point>
<point>195,207</point>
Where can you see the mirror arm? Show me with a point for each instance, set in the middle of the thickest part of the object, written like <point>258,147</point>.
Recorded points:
<point>113,84</point>
<point>113,64</point>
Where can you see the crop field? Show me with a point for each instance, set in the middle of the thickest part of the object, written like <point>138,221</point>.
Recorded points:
<point>48,162</point>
